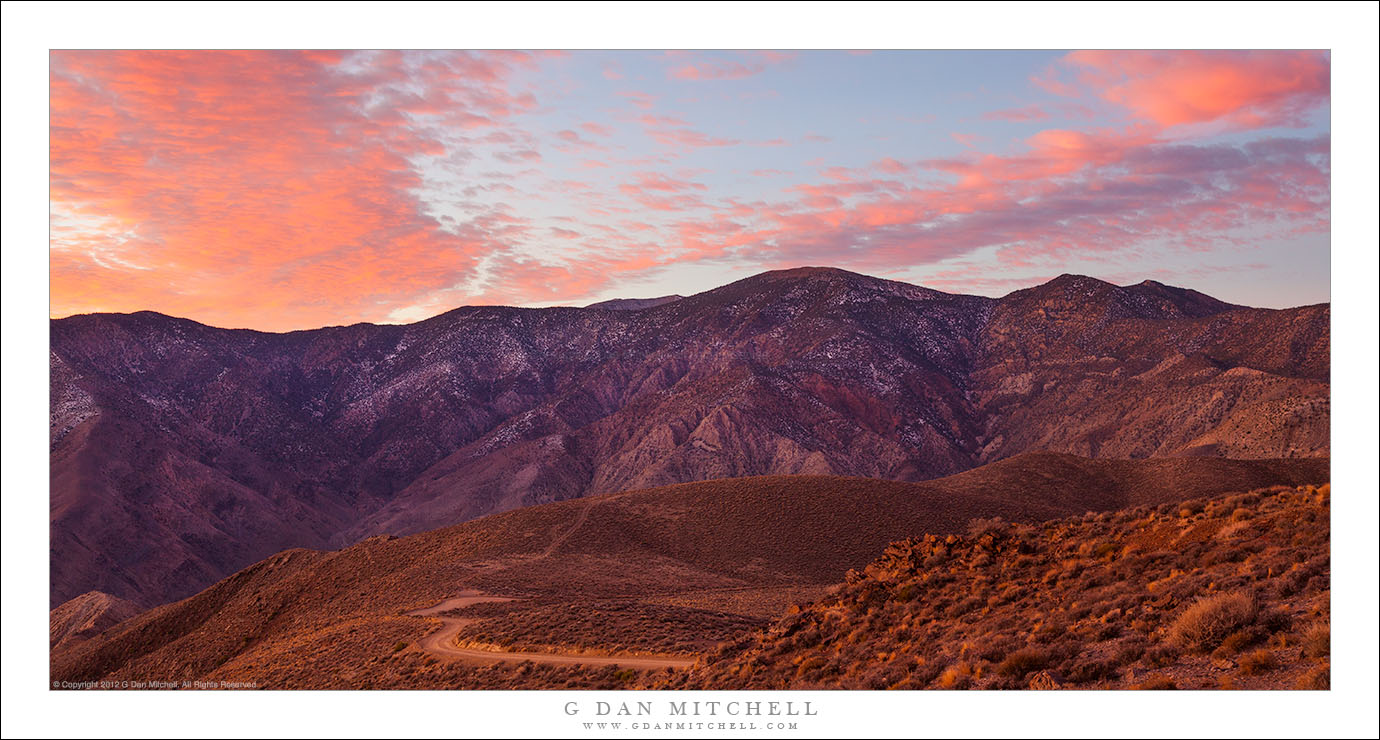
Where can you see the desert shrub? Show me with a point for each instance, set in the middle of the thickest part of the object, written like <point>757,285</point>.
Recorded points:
<point>1109,631</point>
<point>1021,662</point>
<point>1049,632</point>
<point>1003,683</point>
<point>1238,641</point>
<point>880,677</point>
<point>1156,683</point>
<point>1125,603</point>
<point>1208,621</point>
<point>399,646</point>
<point>1145,623</point>
<point>995,650</point>
<point>808,638</point>
<point>1258,661</point>
<point>1068,646</point>
<point>1301,576</point>
<point>1012,594</point>
<point>811,664</point>
<point>1282,640</point>
<point>1092,670</point>
<point>980,527</point>
<point>1275,620</point>
<point>1096,578</point>
<point>1317,641</point>
<point>923,673</point>
<point>1242,499</point>
<point>1130,651</point>
<point>1318,679</point>
<point>1223,556</point>
<point>966,605</point>
<point>956,676</point>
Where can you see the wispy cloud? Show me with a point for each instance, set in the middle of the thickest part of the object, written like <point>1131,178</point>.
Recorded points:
<point>290,189</point>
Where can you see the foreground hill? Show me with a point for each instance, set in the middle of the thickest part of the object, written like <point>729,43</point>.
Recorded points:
<point>182,452</point>
<point>1227,592</point>
<point>670,570</point>
<point>85,617</point>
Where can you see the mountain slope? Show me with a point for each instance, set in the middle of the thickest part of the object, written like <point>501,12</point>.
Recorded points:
<point>1227,592</point>
<point>181,452</point>
<point>85,617</point>
<point>664,560</point>
<point>1085,367</point>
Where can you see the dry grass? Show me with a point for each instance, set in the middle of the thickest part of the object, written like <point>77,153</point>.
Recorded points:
<point>1023,662</point>
<point>1317,641</point>
<point>1316,679</point>
<point>1204,625</point>
<point>957,676</point>
<point>1258,661</point>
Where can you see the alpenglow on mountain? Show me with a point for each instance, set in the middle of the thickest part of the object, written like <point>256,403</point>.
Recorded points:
<point>182,452</point>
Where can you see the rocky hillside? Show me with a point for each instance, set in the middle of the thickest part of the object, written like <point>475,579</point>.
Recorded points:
<point>1224,592</point>
<point>181,452</point>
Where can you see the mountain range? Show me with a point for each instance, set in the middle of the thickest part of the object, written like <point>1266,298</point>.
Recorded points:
<point>181,452</point>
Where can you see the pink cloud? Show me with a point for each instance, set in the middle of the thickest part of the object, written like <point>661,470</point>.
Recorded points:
<point>1246,89</point>
<point>967,140</point>
<point>1022,114</point>
<point>639,99</point>
<point>571,141</point>
<point>674,131</point>
<point>891,166</point>
<point>756,63</point>
<point>655,181</point>
<point>223,177</point>
<point>280,190</point>
<point>597,129</point>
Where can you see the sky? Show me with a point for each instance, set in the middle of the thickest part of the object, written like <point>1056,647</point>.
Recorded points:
<point>281,190</point>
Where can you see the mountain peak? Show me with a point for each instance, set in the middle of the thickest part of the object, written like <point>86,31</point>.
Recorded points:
<point>834,276</point>
<point>635,304</point>
<point>1076,281</point>
<point>1079,295</point>
<point>811,271</point>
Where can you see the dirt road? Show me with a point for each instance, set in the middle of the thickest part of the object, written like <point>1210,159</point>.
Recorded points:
<point>442,642</point>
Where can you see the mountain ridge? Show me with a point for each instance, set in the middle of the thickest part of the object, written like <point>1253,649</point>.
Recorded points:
<point>223,445</point>
<point>803,271</point>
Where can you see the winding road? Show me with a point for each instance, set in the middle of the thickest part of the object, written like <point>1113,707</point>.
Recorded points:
<point>442,642</point>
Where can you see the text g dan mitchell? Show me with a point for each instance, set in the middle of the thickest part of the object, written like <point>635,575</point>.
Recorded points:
<point>695,709</point>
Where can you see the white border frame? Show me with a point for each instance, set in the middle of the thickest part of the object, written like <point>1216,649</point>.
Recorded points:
<point>1348,29</point>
